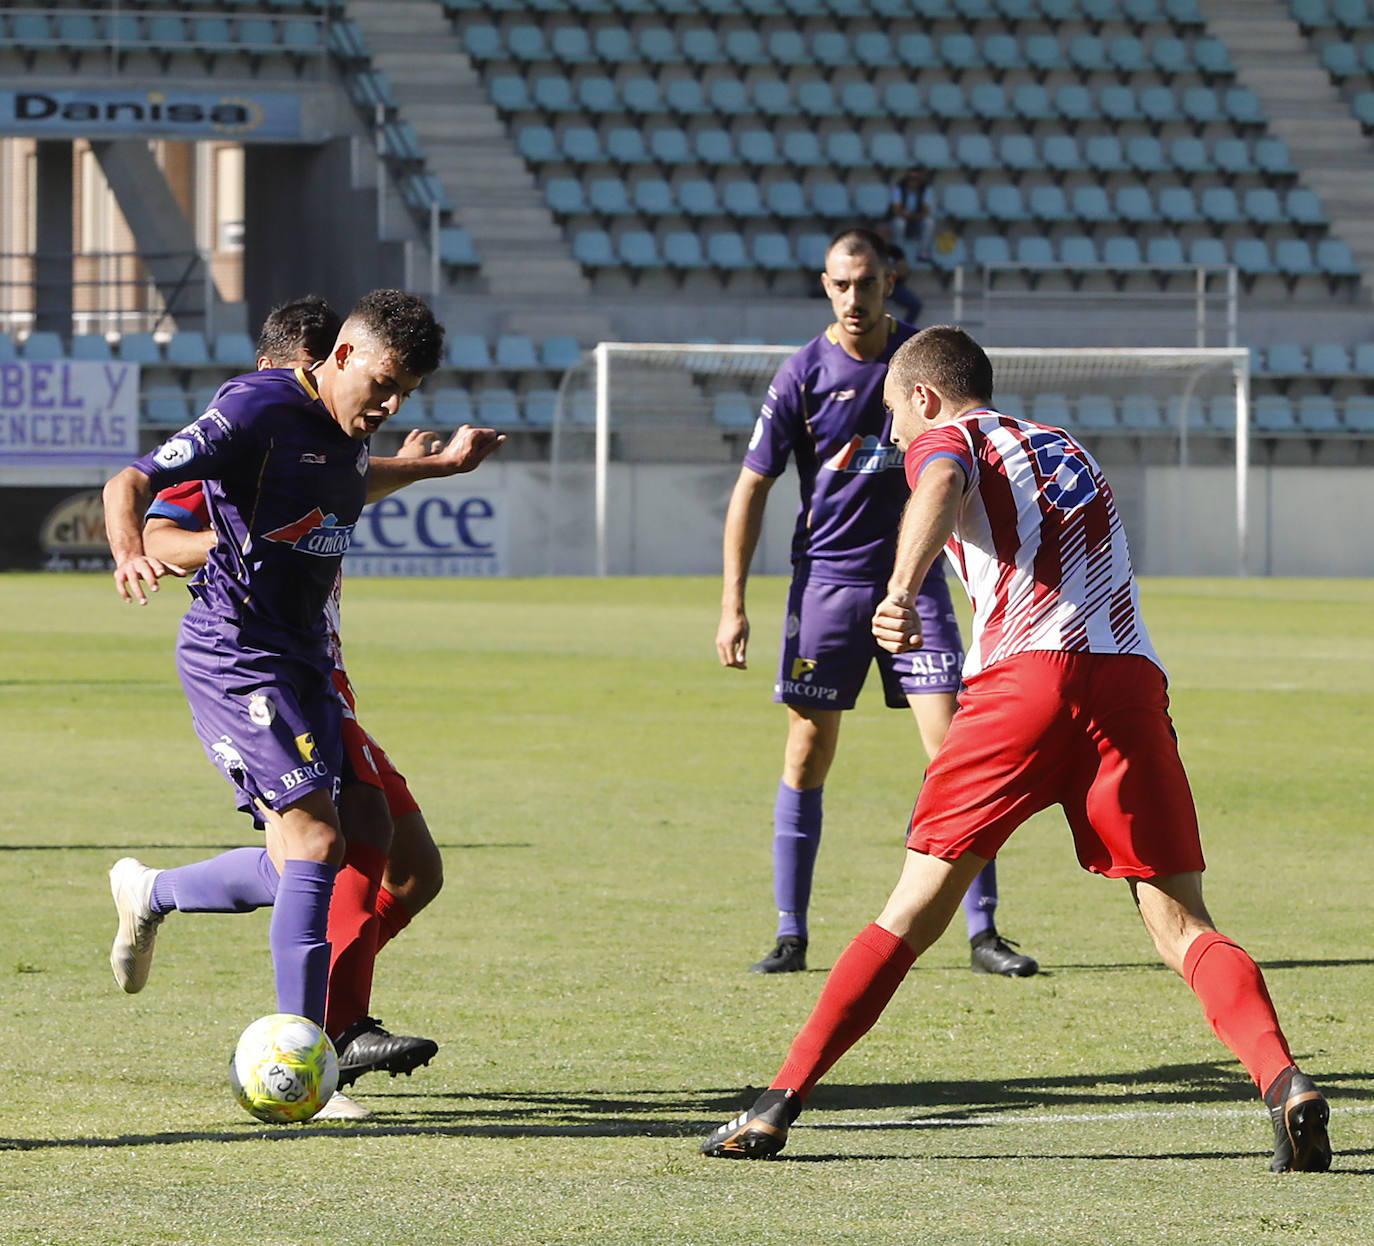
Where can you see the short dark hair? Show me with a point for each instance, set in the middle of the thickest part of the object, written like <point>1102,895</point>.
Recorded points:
<point>405,327</point>
<point>945,358</point>
<point>306,325</point>
<point>855,240</point>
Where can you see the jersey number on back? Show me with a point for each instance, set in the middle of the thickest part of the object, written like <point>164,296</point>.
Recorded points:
<point>1068,480</point>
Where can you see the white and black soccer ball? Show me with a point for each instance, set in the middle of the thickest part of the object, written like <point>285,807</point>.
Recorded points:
<point>283,1069</point>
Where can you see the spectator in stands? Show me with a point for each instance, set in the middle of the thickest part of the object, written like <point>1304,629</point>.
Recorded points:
<point>902,294</point>
<point>910,217</point>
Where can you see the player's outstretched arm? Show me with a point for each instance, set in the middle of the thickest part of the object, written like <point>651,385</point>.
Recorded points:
<point>126,497</point>
<point>464,452</point>
<point>743,523</point>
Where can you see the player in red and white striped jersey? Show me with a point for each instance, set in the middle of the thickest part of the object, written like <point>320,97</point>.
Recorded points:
<point>1064,703</point>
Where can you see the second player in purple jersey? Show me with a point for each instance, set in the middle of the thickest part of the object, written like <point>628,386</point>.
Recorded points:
<point>824,410</point>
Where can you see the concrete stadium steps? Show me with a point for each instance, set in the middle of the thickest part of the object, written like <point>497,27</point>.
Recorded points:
<point>1328,146</point>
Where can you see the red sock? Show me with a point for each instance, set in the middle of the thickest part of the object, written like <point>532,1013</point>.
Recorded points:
<point>858,988</point>
<point>392,917</point>
<point>1237,1006</point>
<point>353,936</point>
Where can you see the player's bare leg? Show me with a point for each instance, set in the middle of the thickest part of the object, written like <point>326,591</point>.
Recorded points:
<point>858,988</point>
<point>414,867</point>
<point>1236,1003</point>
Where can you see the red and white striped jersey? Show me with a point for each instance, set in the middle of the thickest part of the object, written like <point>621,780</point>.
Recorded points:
<point>1038,543</point>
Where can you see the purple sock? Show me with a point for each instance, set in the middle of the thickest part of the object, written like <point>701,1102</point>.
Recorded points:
<point>796,839</point>
<point>980,901</point>
<point>237,881</point>
<point>300,948</point>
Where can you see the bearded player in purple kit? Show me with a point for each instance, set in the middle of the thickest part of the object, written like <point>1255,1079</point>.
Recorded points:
<point>825,407</point>
<point>284,454</point>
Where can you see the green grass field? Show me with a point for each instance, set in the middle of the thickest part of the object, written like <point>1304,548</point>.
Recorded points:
<point>603,792</point>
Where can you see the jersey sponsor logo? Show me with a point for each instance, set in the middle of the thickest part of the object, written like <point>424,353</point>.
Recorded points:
<point>802,668</point>
<point>934,663</point>
<point>261,710</point>
<point>307,457</point>
<point>863,456</point>
<point>305,746</point>
<point>316,533</point>
<point>174,453</point>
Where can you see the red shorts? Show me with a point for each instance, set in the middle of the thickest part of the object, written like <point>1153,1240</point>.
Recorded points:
<point>365,761</point>
<point>1089,731</point>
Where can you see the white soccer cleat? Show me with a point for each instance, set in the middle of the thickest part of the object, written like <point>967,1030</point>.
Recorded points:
<point>131,956</point>
<point>341,1108</point>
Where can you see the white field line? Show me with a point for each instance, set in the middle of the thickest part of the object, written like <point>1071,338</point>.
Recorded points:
<point>1057,1118</point>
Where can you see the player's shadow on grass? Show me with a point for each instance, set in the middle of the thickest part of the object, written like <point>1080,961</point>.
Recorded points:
<point>201,849</point>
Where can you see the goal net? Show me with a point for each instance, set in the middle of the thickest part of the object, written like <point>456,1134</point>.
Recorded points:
<point>647,440</point>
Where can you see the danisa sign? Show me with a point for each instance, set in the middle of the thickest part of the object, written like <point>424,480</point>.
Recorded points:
<point>61,413</point>
<point>158,113</point>
<point>437,527</point>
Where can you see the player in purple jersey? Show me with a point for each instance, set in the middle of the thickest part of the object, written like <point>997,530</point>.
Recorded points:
<point>825,408</point>
<point>284,454</point>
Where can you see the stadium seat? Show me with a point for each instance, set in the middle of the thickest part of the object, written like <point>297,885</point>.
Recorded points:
<point>975,152</point>
<point>1095,413</point>
<point>714,146</point>
<point>44,344</point>
<point>652,196</point>
<point>670,145</point>
<point>145,348</point>
<point>553,93</point>
<point>564,196</point>
<point>1060,153</point>
<point>726,250</point>
<point>1164,252</point>
<point>931,151</point>
<point>498,408</point>
<point>540,407</point>
<point>186,349</point>
<point>1031,102</point>
<point>166,406</point>
<point>1034,251</point>
<point>785,198</point>
<point>1330,358</point>
<point>916,51</point>
<point>1334,258</point>
<point>844,149</point>
<point>757,147</point>
<point>468,351</point>
<point>1242,107</point>
<point>1159,105</point>
<point>235,349</point>
<point>1220,206</point>
<point>1073,102</point>
<point>701,46</point>
<point>450,407</point>
<point>536,144</point>
<point>830,200</point>
<point>816,98</point>
<point>1043,53</point>
<point>685,97</point>
<point>1251,257</point>
<point>739,197</point>
<point>571,45</point>
<point>625,145</point>
<point>860,100</point>
<point>1272,413</point>
<point>87,346</point>
<point>734,410</point>
<point>988,102</point>
<point>1232,155</point>
<point>1141,411</point>
<point>1358,414</point>
<point>802,149</point>
<point>991,249</point>
<point>559,352</point>
<point>1051,409</point>
<point>1271,156</point>
<point>1200,106</point>
<point>637,249</point>
<point>1189,155</point>
<point>1285,358</point>
<point>1208,253</point>
<point>515,351</point>
<point>871,200</point>
<point>1122,251</point>
<point>873,50</point>
<point>1003,203</point>
<point>1293,258</point>
<point>960,201</point>
<point>608,196</point>
<point>1302,207</point>
<point>772,251</point>
<point>1089,203</point>
<point>682,250</point>
<point>1176,205</point>
<point>510,93</point>
<point>696,196</point>
<point>1117,102</point>
<point>946,100</point>
<point>1102,153</point>
<point>1046,202</point>
<point>1077,251</point>
<point>902,100</point>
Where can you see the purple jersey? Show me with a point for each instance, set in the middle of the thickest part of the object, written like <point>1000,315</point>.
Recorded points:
<point>284,486</point>
<point>826,408</point>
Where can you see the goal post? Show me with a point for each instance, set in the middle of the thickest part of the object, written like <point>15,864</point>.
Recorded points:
<point>630,405</point>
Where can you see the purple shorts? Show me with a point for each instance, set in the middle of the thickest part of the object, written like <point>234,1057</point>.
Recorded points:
<point>272,723</point>
<point>828,645</point>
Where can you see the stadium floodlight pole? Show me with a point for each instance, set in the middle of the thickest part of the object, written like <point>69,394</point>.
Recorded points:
<point>1242,462</point>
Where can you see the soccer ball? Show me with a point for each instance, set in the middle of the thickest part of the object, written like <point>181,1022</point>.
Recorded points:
<point>283,1069</point>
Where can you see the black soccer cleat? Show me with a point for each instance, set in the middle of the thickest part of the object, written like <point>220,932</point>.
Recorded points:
<point>364,1047</point>
<point>788,957</point>
<point>990,953</point>
<point>1300,1114</point>
<point>759,1133</point>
